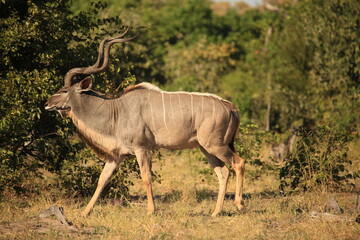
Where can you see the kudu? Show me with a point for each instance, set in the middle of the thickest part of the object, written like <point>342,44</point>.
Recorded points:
<point>145,118</point>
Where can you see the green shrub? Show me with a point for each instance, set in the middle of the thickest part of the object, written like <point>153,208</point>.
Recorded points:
<point>79,175</point>
<point>319,160</point>
<point>79,178</point>
<point>250,141</point>
<point>40,41</point>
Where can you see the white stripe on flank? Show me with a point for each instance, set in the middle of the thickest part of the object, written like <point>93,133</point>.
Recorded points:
<point>192,94</point>
<point>164,111</point>
<point>151,110</point>
<point>192,110</point>
<point>227,110</point>
<point>213,115</point>
<point>202,108</point>
<point>172,111</point>
<point>182,114</point>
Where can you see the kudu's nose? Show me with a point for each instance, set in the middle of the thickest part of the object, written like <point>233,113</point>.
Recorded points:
<point>47,105</point>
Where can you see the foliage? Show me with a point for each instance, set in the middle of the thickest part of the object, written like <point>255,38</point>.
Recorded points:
<point>335,72</point>
<point>27,79</point>
<point>197,67</point>
<point>299,67</point>
<point>40,41</point>
<point>79,179</point>
<point>320,45</point>
<point>250,141</point>
<point>27,132</point>
<point>295,67</point>
<point>319,159</point>
<point>181,37</point>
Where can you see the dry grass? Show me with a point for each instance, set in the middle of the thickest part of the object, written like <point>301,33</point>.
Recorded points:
<point>185,200</point>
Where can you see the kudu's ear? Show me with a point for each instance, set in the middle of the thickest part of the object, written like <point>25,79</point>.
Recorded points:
<point>85,84</point>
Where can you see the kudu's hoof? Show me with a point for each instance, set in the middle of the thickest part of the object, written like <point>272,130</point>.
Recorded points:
<point>85,215</point>
<point>215,214</point>
<point>240,206</point>
<point>150,213</point>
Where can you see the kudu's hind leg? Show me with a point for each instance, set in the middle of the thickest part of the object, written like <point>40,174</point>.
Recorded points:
<point>103,180</point>
<point>144,160</point>
<point>238,164</point>
<point>226,155</point>
<point>222,173</point>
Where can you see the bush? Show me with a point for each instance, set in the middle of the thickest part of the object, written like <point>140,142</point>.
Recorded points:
<point>251,139</point>
<point>319,159</point>
<point>80,175</point>
<point>40,41</point>
<point>79,178</point>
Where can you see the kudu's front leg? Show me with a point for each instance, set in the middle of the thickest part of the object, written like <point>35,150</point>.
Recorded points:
<point>144,160</point>
<point>222,173</point>
<point>103,180</point>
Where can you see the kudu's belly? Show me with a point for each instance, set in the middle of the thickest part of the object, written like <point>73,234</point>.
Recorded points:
<point>176,139</point>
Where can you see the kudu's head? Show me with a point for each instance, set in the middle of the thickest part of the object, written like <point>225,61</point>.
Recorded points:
<point>62,101</point>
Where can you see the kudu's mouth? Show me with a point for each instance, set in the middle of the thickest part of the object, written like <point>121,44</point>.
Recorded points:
<point>54,108</point>
<point>47,108</point>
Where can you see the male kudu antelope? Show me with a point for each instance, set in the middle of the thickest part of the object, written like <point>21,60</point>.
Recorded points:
<point>145,118</point>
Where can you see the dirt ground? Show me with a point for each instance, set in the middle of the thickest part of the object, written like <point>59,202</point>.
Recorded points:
<point>184,201</point>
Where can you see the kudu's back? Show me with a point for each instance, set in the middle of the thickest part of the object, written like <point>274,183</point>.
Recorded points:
<point>179,120</point>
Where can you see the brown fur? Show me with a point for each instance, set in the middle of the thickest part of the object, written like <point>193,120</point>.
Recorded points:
<point>105,148</point>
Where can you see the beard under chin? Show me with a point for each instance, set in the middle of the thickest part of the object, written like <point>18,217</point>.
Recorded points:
<point>64,113</point>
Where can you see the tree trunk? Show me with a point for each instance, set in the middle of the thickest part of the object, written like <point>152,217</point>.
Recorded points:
<point>268,82</point>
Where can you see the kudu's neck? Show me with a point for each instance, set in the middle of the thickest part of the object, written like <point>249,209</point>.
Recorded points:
<point>96,123</point>
<point>95,112</point>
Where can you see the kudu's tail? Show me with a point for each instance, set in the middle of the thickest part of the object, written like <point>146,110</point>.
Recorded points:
<point>231,144</point>
<point>236,123</point>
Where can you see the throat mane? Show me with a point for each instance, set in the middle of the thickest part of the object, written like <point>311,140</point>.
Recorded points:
<point>105,147</point>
